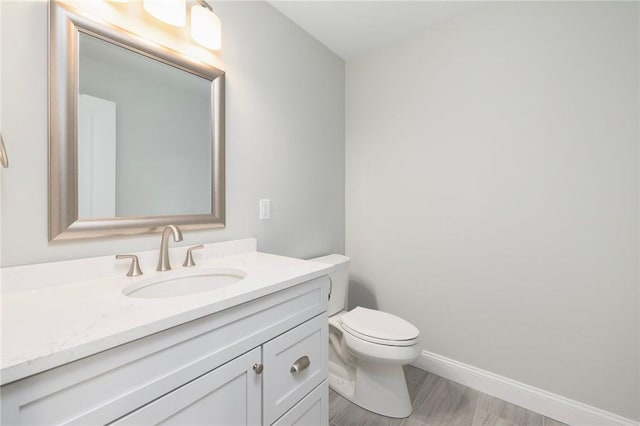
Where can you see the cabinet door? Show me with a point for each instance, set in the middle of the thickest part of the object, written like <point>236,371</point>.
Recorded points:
<point>313,410</point>
<point>228,395</point>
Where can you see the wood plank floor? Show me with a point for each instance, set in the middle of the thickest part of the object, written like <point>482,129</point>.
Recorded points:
<point>438,401</point>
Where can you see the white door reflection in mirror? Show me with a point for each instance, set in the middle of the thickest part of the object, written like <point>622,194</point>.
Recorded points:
<point>96,157</point>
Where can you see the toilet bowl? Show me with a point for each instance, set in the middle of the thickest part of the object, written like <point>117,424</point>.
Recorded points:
<point>367,350</point>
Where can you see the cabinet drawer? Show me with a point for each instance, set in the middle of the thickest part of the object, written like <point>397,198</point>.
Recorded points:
<point>313,410</point>
<point>227,396</point>
<point>294,364</point>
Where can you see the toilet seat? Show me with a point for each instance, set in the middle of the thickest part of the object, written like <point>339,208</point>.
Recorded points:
<point>379,327</point>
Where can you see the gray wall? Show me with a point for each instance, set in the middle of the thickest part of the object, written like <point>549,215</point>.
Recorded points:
<point>492,192</point>
<point>285,138</point>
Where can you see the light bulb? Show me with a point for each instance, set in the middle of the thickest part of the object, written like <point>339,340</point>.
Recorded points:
<point>173,12</point>
<point>206,27</point>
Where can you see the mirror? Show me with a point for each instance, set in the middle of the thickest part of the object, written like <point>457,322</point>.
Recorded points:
<point>136,133</point>
<point>144,135</point>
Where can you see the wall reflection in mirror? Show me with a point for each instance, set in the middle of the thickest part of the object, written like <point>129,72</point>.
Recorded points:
<point>144,135</point>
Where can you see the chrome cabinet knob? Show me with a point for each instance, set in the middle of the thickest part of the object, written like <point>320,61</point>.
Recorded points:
<point>258,368</point>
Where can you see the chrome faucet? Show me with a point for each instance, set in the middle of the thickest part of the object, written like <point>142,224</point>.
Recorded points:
<point>163,260</point>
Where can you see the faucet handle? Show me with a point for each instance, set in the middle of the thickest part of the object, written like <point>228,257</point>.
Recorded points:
<point>188,261</point>
<point>134,269</point>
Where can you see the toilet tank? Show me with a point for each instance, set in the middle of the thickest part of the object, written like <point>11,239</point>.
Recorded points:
<point>339,281</point>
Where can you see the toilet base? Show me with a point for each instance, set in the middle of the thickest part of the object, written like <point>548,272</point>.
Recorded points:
<point>341,381</point>
<point>379,388</point>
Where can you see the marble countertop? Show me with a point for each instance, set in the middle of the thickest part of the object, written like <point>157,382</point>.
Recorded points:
<point>46,327</point>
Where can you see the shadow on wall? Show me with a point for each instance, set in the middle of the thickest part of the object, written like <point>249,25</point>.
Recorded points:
<point>360,294</point>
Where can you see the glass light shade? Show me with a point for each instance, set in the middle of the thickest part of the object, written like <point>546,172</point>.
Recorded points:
<point>206,27</point>
<point>173,12</point>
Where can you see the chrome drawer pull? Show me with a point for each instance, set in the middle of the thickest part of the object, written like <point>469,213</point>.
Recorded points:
<point>300,364</point>
<point>258,368</point>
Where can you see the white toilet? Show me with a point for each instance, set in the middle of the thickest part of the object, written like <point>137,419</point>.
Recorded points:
<point>368,349</point>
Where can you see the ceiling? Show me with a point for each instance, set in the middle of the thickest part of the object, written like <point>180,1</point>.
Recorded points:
<point>353,28</point>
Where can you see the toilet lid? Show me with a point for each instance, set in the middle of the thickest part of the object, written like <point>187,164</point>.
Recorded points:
<point>379,327</point>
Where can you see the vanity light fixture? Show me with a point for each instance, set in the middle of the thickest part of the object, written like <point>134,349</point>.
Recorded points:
<point>173,12</point>
<point>206,27</point>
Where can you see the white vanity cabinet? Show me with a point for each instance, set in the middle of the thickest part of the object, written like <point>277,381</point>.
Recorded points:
<point>204,372</point>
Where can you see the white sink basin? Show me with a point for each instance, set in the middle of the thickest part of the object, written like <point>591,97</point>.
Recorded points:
<point>182,283</point>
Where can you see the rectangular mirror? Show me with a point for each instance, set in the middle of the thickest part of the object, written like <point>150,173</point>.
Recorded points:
<point>136,133</point>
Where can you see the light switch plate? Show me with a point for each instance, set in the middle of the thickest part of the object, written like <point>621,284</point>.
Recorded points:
<point>265,209</point>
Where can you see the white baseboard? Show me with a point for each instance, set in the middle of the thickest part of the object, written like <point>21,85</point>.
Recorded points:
<point>540,401</point>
